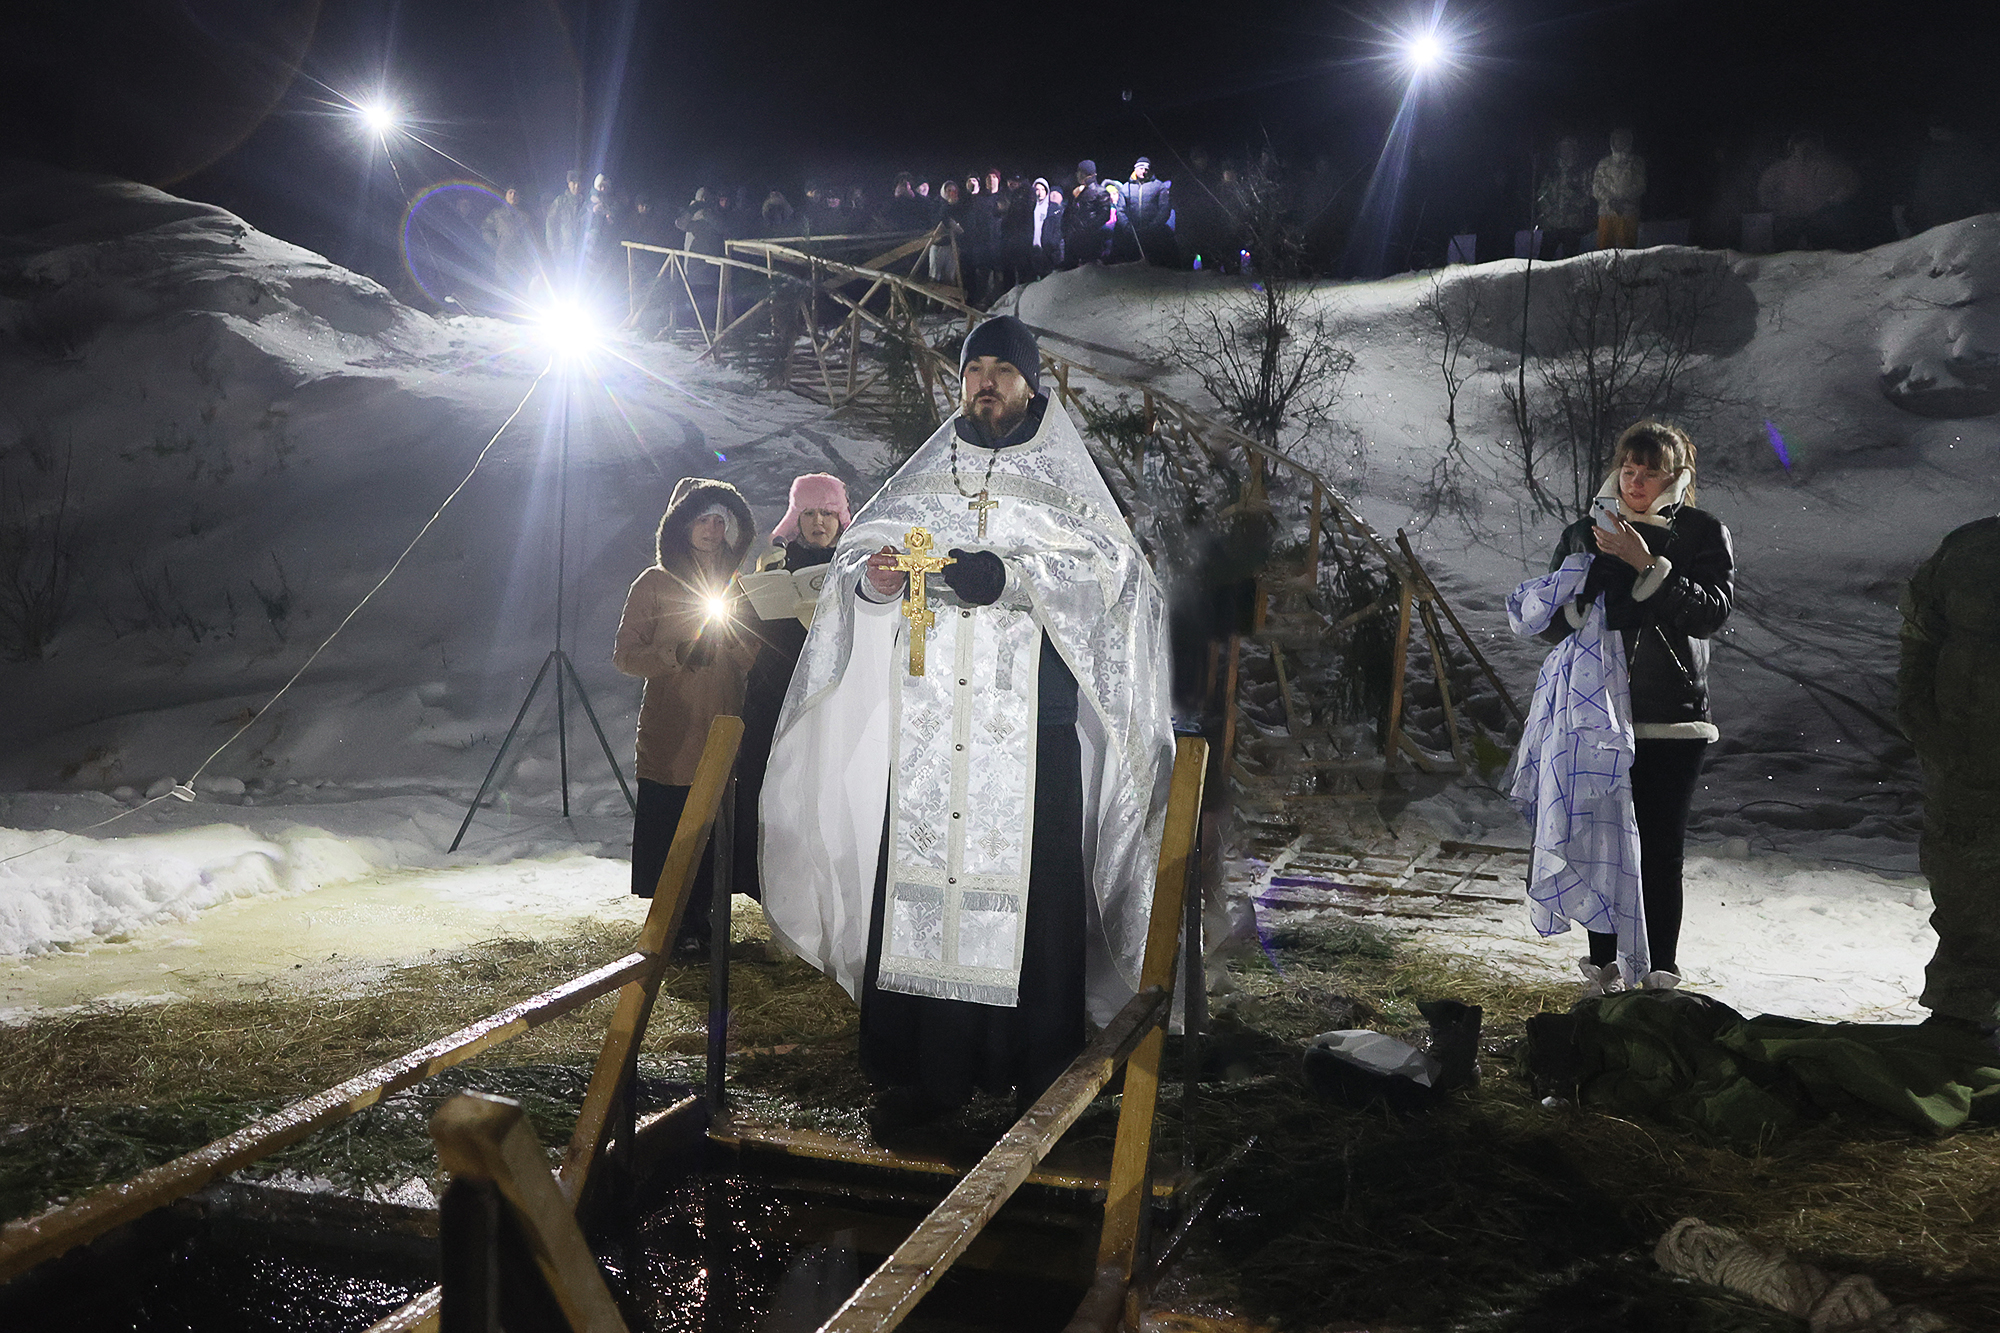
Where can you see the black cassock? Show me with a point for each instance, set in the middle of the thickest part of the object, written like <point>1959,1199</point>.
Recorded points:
<point>947,1048</point>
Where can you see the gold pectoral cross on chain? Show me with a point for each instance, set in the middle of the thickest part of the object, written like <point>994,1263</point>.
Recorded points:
<point>980,506</point>
<point>918,562</point>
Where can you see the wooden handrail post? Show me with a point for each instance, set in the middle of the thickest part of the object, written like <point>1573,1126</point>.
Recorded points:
<point>1441,666</point>
<point>1131,1157</point>
<point>635,999</point>
<point>1438,598</point>
<point>1312,537</point>
<point>482,1138</point>
<point>1229,708</point>
<point>853,350</point>
<point>1397,668</point>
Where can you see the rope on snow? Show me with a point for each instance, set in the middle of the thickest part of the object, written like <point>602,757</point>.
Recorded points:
<point>1853,1304</point>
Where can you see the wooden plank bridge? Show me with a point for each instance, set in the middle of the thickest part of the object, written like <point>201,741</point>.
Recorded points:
<point>863,332</point>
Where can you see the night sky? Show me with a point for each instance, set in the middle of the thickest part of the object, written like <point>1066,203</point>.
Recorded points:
<point>227,100</point>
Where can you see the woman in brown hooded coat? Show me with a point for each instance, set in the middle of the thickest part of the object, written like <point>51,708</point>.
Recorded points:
<point>693,661</point>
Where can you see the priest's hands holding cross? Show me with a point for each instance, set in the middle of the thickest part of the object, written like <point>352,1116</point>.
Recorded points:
<point>883,576</point>
<point>977,578</point>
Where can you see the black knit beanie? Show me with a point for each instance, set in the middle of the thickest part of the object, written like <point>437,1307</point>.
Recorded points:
<point>1012,341</point>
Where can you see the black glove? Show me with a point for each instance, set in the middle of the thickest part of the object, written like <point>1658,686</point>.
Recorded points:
<point>977,577</point>
<point>697,653</point>
<point>1608,575</point>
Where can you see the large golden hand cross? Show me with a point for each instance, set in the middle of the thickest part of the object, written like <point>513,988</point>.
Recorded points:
<point>918,562</point>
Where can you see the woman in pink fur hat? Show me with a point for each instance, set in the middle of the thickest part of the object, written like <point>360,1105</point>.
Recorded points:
<point>803,541</point>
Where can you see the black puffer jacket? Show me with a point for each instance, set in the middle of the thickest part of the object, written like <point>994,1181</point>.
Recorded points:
<point>1666,648</point>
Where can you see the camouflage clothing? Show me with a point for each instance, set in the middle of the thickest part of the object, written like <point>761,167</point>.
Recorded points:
<point>1948,701</point>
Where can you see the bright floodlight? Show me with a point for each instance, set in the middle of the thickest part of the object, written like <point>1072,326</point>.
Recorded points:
<point>568,328</point>
<point>379,117</point>
<point>717,607</point>
<point>1424,52</point>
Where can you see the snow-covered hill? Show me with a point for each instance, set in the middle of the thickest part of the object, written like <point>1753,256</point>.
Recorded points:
<point>1880,374</point>
<point>250,436</point>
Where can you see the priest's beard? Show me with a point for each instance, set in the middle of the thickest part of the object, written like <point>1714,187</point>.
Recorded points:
<point>996,416</point>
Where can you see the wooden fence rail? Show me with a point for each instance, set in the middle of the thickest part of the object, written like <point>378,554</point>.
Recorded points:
<point>886,1298</point>
<point>1194,443</point>
<point>24,1244</point>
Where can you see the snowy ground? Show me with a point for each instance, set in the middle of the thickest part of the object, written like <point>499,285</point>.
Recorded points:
<point>250,438</point>
<point>1765,932</point>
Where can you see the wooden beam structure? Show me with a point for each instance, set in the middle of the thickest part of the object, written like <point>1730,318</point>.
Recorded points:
<point>1132,1153</point>
<point>889,1294</point>
<point>488,1140</point>
<point>25,1244</point>
<point>635,1000</point>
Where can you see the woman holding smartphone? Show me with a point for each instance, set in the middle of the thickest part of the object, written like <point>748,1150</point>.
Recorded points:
<point>1666,571</point>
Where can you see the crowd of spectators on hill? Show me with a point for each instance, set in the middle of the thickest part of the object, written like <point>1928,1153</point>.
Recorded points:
<point>998,227</point>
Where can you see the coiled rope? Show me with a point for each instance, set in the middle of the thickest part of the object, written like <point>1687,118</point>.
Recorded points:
<point>1853,1304</point>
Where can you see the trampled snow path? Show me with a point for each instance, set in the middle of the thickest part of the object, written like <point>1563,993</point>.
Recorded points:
<point>1764,932</point>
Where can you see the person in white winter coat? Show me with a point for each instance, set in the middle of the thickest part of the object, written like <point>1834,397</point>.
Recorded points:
<point>1618,184</point>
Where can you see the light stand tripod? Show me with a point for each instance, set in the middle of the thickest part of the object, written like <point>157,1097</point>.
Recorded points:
<point>565,670</point>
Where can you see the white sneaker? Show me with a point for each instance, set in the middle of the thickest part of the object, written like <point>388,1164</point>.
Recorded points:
<point>1659,981</point>
<point>1598,981</point>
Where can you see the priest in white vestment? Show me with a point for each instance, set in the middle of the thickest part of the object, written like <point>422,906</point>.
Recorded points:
<point>970,851</point>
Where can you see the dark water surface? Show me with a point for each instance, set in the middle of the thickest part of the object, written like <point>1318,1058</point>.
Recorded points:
<point>712,1254</point>
<point>728,1253</point>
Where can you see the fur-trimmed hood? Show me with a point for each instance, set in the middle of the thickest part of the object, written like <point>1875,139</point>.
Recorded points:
<point>693,496</point>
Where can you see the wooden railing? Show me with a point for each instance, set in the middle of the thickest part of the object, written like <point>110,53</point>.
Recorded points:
<point>502,1177</point>
<point>25,1244</point>
<point>872,298</point>
<point>502,1201</point>
<point>1133,1039</point>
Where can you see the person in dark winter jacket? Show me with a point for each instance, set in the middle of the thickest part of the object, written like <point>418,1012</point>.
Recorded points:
<point>701,226</point>
<point>1668,575</point>
<point>1149,214</point>
<point>949,260</point>
<point>804,539</point>
<point>564,225</point>
<point>680,634</point>
<point>1948,702</point>
<point>905,211</point>
<point>511,237</point>
<point>1085,216</point>
<point>979,241</point>
<point>1017,233</point>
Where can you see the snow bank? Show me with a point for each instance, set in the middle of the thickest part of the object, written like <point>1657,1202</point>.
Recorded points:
<point>170,861</point>
<point>238,438</point>
<point>58,892</point>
